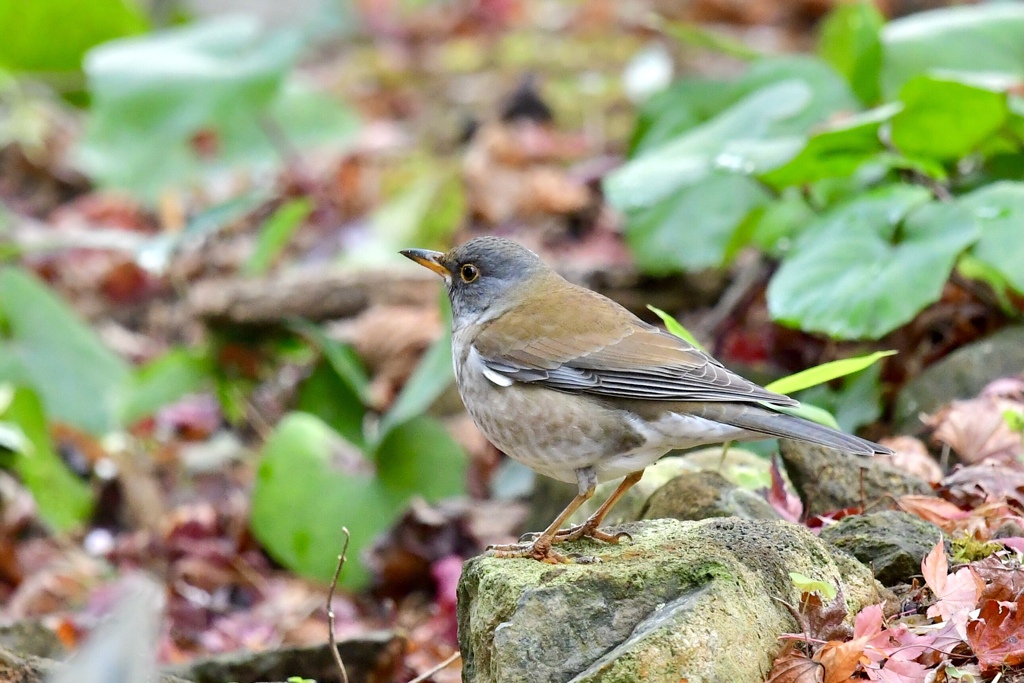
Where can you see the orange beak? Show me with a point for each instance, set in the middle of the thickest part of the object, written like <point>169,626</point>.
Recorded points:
<point>427,259</point>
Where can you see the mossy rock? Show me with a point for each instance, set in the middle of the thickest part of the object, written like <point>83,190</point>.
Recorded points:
<point>684,600</point>
<point>893,543</point>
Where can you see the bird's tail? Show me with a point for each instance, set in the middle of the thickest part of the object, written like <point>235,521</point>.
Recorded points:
<point>776,424</point>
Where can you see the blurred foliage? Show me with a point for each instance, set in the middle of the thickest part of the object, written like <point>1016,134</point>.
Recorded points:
<point>870,171</point>
<point>52,35</point>
<point>178,106</point>
<point>338,465</point>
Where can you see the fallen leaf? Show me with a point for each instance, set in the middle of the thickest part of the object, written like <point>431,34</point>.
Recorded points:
<point>912,456</point>
<point>839,659</point>
<point>977,484</point>
<point>795,667</point>
<point>997,635</point>
<point>957,593</point>
<point>931,509</point>
<point>977,430</point>
<point>899,671</point>
<point>786,503</point>
<point>1004,578</point>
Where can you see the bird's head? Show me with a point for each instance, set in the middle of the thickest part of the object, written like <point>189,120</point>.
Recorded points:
<point>484,276</point>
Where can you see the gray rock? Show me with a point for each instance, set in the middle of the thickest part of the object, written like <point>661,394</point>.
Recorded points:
<point>702,495</point>
<point>683,600</point>
<point>738,466</point>
<point>891,542</point>
<point>961,374</point>
<point>829,480</point>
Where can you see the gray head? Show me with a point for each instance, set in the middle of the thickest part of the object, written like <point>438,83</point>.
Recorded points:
<point>481,274</point>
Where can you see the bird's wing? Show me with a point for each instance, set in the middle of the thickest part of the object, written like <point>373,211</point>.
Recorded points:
<point>594,346</point>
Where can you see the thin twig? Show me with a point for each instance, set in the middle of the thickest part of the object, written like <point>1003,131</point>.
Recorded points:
<point>330,609</point>
<point>427,674</point>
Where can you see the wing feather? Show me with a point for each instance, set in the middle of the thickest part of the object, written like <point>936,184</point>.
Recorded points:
<point>591,348</point>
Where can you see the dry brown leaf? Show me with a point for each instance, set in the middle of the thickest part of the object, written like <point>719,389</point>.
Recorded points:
<point>840,659</point>
<point>997,635</point>
<point>977,430</point>
<point>1004,579</point>
<point>939,512</point>
<point>912,456</point>
<point>976,485</point>
<point>794,666</point>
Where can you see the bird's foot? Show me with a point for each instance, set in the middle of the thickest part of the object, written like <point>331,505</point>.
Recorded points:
<point>537,550</point>
<point>578,531</point>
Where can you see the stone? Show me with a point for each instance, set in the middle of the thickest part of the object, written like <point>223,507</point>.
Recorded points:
<point>738,467</point>
<point>961,374</point>
<point>701,495</point>
<point>891,542</point>
<point>683,600</point>
<point>828,480</point>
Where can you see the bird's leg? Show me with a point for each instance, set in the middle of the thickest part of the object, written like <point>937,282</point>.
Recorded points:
<point>590,528</point>
<point>540,548</point>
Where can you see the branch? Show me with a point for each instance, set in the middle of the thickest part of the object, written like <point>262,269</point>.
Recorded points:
<point>330,609</point>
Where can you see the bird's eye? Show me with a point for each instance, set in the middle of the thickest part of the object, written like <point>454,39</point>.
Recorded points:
<point>469,272</point>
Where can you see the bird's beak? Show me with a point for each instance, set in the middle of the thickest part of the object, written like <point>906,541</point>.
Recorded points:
<point>427,259</point>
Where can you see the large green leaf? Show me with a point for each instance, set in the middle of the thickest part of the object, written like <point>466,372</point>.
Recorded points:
<point>79,379</point>
<point>983,38</point>
<point>50,36</point>
<point>64,501</point>
<point>946,119</point>
<point>835,151</point>
<point>871,265</point>
<point>738,140</point>
<point>687,103</point>
<point>850,41</point>
<point>999,209</point>
<point>156,99</point>
<point>419,456</point>
<point>693,227</point>
<point>328,396</point>
<point>310,483</point>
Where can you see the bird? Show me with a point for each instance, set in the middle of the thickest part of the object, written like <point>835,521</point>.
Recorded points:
<point>576,387</point>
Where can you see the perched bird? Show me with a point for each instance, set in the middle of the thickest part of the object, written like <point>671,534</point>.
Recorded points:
<point>574,386</point>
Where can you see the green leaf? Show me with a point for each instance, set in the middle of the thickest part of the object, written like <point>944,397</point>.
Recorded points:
<point>163,381</point>
<point>420,456</point>
<point>809,412</point>
<point>979,39</point>
<point>673,326</point>
<point>429,380</point>
<point>49,36</point>
<point>999,209</point>
<point>310,483</point>
<point>871,265</point>
<point>773,226</point>
<point>692,228</point>
<point>326,394</point>
<point>835,151</point>
<point>728,142</point>
<point>678,108</point>
<point>806,584</point>
<point>857,402</point>
<point>222,80</point>
<point>64,501</point>
<point>826,372</point>
<point>851,42</point>
<point>275,234</point>
<point>946,119</point>
<point>79,379</point>
<point>342,357</point>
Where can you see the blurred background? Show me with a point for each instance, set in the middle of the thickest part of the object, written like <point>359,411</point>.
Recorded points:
<point>212,358</point>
